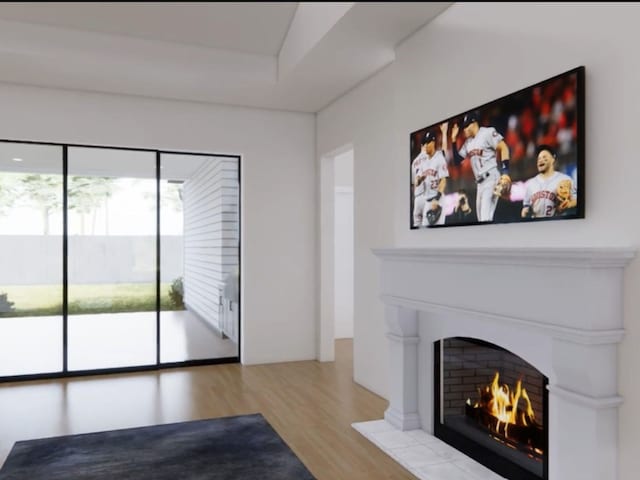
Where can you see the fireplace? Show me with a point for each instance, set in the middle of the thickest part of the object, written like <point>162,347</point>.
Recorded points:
<point>552,355</point>
<point>491,405</point>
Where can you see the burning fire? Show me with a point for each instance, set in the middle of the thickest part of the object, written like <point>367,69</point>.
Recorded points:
<point>506,406</point>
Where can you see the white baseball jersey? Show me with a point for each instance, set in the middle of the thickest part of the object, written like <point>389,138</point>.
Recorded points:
<point>482,150</point>
<point>434,169</point>
<point>540,195</point>
<point>486,201</point>
<point>416,169</point>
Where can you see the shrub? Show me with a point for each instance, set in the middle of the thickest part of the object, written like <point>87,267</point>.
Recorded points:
<point>176,293</point>
<point>5,305</point>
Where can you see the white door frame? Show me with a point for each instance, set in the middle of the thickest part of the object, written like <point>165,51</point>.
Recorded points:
<point>325,330</point>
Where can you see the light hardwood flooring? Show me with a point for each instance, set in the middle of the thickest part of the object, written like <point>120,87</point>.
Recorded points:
<point>310,404</point>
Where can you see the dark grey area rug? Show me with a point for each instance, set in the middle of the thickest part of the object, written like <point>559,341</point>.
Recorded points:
<point>241,447</point>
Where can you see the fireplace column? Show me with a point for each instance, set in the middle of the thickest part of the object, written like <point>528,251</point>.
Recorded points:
<point>402,326</point>
<point>584,399</point>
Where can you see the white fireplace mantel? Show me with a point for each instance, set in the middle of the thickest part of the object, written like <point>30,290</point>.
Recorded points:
<point>561,309</point>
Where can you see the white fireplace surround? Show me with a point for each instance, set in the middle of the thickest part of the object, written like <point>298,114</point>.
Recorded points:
<point>560,309</point>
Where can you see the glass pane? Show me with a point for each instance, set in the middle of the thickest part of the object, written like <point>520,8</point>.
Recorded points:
<point>199,252</point>
<point>112,226</point>
<point>31,258</point>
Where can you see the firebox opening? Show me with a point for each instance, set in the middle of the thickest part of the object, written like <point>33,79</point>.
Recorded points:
<point>492,405</point>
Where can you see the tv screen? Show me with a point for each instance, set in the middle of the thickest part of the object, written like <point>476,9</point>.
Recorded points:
<point>519,158</point>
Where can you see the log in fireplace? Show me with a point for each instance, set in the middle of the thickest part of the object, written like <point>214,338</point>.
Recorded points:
<point>492,405</point>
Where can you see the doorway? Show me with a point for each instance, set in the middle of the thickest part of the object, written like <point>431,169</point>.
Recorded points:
<point>336,250</point>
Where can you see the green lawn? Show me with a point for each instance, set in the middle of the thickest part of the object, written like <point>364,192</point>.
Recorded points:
<point>35,300</point>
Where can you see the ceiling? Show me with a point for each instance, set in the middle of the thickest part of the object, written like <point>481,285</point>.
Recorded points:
<point>279,55</point>
<point>256,27</point>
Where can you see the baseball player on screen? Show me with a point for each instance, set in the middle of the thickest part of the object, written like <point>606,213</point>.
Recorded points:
<point>481,146</point>
<point>435,174</point>
<point>549,193</point>
<point>417,180</point>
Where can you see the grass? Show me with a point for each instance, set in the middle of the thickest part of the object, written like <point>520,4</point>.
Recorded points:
<point>38,300</point>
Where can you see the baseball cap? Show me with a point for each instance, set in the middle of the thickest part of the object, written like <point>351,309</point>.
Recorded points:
<point>429,137</point>
<point>469,118</point>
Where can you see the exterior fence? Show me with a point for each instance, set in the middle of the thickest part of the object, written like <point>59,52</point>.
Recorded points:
<point>37,259</point>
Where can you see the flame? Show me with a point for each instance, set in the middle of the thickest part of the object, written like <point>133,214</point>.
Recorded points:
<point>503,405</point>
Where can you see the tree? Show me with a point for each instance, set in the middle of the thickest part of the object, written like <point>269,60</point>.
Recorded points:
<point>170,196</point>
<point>43,192</point>
<point>9,188</point>
<point>86,195</point>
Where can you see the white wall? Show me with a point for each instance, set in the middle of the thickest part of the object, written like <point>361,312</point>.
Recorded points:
<point>365,119</point>
<point>343,270</point>
<point>343,169</point>
<point>468,56</point>
<point>278,190</point>
<point>343,245</point>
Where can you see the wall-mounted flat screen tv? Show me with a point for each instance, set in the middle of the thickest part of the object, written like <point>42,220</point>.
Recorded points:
<point>519,158</point>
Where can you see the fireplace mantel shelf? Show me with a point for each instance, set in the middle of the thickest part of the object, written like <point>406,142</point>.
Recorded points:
<point>577,257</point>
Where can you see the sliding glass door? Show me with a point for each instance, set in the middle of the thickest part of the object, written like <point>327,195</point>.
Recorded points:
<point>199,219</point>
<point>116,259</point>
<point>112,227</point>
<point>31,279</point>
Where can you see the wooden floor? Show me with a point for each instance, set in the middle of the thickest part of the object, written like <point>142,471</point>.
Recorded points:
<point>310,404</point>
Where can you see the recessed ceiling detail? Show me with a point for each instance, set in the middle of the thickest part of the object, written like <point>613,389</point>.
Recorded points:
<point>278,55</point>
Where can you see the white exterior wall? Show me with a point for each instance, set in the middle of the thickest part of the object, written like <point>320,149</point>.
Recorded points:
<point>472,54</point>
<point>278,190</point>
<point>210,235</point>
